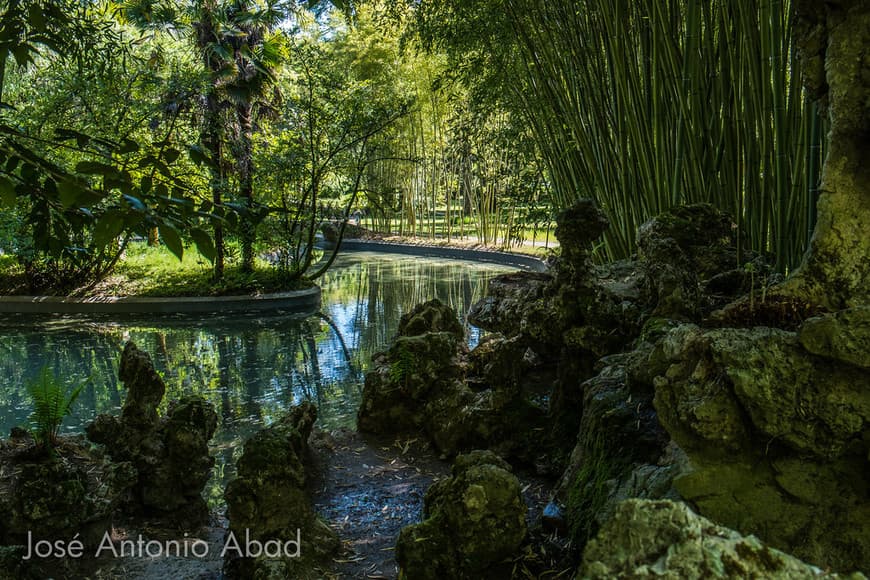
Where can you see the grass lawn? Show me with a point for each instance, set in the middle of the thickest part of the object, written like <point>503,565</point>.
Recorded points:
<point>154,271</point>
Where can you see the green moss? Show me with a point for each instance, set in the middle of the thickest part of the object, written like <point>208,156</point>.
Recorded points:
<point>590,491</point>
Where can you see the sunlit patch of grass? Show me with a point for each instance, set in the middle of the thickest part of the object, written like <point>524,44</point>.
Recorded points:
<point>154,271</point>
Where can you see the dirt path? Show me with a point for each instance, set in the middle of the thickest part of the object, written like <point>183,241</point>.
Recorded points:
<point>368,489</point>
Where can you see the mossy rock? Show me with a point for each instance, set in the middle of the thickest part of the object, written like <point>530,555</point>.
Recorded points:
<point>267,501</point>
<point>473,521</point>
<point>842,336</point>
<point>665,539</point>
<point>777,439</point>
<point>431,316</point>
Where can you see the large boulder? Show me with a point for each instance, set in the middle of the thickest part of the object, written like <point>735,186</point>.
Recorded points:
<point>267,504</point>
<point>517,304</point>
<point>665,539</point>
<point>621,450</point>
<point>777,438</point>
<point>842,336</point>
<point>423,362</point>
<point>169,454</point>
<point>472,522</point>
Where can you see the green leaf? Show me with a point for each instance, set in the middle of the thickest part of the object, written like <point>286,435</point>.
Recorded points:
<point>145,185</point>
<point>204,243</point>
<point>170,237</point>
<point>108,227</point>
<point>82,140</point>
<point>22,55</point>
<point>8,197</point>
<point>128,146</point>
<point>147,161</point>
<point>198,156</point>
<point>170,155</point>
<point>35,18</point>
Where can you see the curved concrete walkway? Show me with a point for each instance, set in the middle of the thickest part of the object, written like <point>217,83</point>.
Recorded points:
<point>521,261</point>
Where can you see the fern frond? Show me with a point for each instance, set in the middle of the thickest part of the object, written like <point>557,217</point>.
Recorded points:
<point>50,405</point>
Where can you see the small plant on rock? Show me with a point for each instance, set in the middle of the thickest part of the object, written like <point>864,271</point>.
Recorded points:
<point>51,404</point>
<point>403,366</point>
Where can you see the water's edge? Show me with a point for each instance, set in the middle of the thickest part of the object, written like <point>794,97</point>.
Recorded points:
<point>299,301</point>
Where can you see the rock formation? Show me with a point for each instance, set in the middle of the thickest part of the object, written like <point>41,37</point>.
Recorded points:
<point>777,436</point>
<point>73,492</point>
<point>664,539</point>
<point>170,454</point>
<point>427,382</point>
<point>267,503</point>
<point>472,521</point>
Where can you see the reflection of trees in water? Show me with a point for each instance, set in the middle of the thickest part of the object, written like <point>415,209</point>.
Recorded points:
<point>383,290</point>
<point>250,369</point>
<point>72,355</point>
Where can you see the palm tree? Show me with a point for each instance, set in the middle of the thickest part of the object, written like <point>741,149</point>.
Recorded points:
<point>255,53</point>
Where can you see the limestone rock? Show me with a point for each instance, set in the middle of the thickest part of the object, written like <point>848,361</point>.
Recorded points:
<point>664,539</point>
<point>516,304</point>
<point>577,228</point>
<point>432,316</point>
<point>777,439</point>
<point>811,404</point>
<point>472,522</point>
<point>145,388</point>
<point>427,382</point>
<point>267,501</point>
<point>620,446</point>
<point>170,454</point>
<point>843,336</point>
<point>424,359</point>
<point>689,252</point>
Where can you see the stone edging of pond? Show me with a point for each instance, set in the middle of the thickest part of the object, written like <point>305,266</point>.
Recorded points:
<point>522,261</point>
<point>296,301</point>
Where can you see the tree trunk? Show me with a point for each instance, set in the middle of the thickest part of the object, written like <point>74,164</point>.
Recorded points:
<point>211,129</point>
<point>834,38</point>
<point>211,140</point>
<point>244,113</point>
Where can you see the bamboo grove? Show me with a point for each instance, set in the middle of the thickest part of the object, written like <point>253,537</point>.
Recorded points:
<point>644,104</point>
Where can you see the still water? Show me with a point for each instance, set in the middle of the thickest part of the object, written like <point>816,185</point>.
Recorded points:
<point>249,368</point>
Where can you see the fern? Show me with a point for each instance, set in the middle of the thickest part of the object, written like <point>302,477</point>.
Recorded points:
<point>50,405</point>
<point>403,365</point>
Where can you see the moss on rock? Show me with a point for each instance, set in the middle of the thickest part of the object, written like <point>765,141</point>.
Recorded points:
<point>777,439</point>
<point>267,501</point>
<point>472,522</point>
<point>664,539</point>
<point>169,454</point>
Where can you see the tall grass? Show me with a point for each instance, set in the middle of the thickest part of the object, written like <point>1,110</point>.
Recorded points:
<point>645,104</point>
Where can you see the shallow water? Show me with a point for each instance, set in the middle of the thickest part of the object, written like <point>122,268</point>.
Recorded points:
<point>251,368</point>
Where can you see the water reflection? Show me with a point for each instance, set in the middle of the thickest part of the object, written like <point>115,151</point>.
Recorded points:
<point>249,368</point>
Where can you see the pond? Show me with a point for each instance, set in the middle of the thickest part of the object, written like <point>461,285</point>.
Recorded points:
<point>250,368</point>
